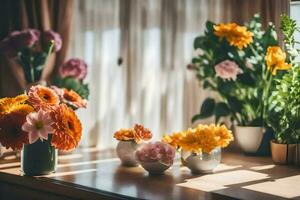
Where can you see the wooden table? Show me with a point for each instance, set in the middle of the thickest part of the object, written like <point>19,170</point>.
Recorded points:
<point>90,174</point>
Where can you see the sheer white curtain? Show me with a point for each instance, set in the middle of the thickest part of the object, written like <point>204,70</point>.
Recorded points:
<point>152,86</point>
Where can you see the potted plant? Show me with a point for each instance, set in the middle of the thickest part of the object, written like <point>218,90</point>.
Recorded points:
<point>284,112</point>
<point>130,139</point>
<point>202,146</point>
<point>230,60</point>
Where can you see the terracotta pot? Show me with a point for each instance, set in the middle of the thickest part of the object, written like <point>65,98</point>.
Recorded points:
<point>249,138</point>
<point>283,154</point>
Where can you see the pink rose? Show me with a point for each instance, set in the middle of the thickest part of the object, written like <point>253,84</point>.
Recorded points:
<point>25,38</point>
<point>75,68</point>
<point>228,70</point>
<point>157,151</point>
<point>49,36</point>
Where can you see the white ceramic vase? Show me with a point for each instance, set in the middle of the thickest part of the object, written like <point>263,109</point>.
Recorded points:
<point>126,152</point>
<point>249,138</point>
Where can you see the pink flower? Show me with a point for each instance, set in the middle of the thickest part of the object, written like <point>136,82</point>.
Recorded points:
<point>75,68</point>
<point>25,38</point>
<point>157,151</point>
<point>38,125</point>
<point>228,70</point>
<point>49,36</point>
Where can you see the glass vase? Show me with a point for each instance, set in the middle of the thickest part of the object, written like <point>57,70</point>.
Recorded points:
<point>203,163</point>
<point>39,158</point>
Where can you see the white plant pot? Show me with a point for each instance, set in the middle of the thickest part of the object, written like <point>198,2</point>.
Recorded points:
<point>126,152</point>
<point>155,168</point>
<point>249,138</point>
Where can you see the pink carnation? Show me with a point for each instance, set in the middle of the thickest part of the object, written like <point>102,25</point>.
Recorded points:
<point>228,70</point>
<point>75,68</point>
<point>49,36</point>
<point>25,38</point>
<point>157,151</point>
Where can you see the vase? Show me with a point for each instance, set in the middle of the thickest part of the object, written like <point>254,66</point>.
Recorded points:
<point>203,163</point>
<point>126,152</point>
<point>283,154</point>
<point>39,158</point>
<point>249,138</point>
<point>155,168</point>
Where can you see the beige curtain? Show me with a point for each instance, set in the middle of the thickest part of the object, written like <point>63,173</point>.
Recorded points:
<point>154,38</point>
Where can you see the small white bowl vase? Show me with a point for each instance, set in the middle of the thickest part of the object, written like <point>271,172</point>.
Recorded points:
<point>126,152</point>
<point>155,168</point>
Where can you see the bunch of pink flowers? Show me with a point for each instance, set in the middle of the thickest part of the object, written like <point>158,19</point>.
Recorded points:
<point>156,152</point>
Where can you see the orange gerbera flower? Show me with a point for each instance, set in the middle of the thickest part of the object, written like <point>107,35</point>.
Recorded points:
<point>67,128</point>
<point>6,104</point>
<point>138,133</point>
<point>235,35</point>
<point>41,97</point>
<point>141,133</point>
<point>73,99</point>
<point>124,134</point>
<point>11,133</point>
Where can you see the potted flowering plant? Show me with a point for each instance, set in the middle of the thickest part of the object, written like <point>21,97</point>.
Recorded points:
<point>130,139</point>
<point>284,113</point>
<point>39,123</point>
<point>156,157</point>
<point>203,145</point>
<point>231,61</point>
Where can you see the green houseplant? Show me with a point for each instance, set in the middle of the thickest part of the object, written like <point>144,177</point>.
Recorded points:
<point>284,113</point>
<point>230,61</point>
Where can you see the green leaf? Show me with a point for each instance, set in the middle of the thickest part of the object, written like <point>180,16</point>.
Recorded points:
<point>235,105</point>
<point>221,110</point>
<point>72,84</point>
<point>207,109</point>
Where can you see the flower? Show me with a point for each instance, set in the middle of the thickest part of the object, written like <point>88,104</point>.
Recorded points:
<point>228,70</point>
<point>141,133</point>
<point>158,151</point>
<point>205,138</point>
<point>8,104</point>
<point>41,97</point>
<point>11,133</point>
<point>38,125</point>
<point>75,68</point>
<point>173,139</point>
<point>25,38</point>
<point>124,134</point>
<point>236,35</point>
<point>275,59</point>
<point>67,129</point>
<point>73,99</point>
<point>138,134</point>
<point>51,36</point>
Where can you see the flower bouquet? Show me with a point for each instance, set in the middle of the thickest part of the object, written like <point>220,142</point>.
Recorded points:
<point>129,141</point>
<point>201,146</point>
<point>31,48</point>
<point>239,63</point>
<point>39,123</point>
<point>156,157</point>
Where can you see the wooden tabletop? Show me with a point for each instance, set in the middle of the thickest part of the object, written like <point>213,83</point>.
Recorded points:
<point>93,174</point>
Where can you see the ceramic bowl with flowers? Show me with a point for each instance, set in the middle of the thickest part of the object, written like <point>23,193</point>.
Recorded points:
<point>130,139</point>
<point>156,157</point>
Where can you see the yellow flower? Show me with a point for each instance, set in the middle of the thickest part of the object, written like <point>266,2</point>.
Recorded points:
<point>173,139</point>
<point>275,59</point>
<point>235,35</point>
<point>203,138</point>
<point>7,105</point>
